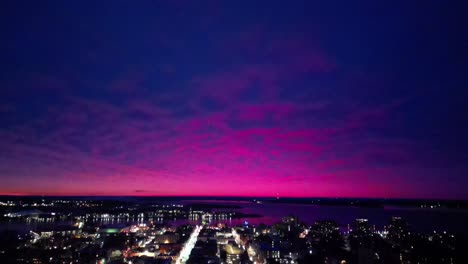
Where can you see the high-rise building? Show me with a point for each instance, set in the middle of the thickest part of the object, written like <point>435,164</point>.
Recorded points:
<point>362,226</point>
<point>233,254</point>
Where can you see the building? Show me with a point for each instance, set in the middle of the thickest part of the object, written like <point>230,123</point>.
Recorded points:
<point>290,220</point>
<point>233,254</point>
<point>57,231</point>
<point>166,238</point>
<point>361,226</point>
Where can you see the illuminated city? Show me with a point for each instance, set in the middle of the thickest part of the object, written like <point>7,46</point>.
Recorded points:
<point>179,231</point>
<point>233,132</point>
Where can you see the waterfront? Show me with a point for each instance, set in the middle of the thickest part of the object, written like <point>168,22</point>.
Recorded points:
<point>420,219</point>
<point>226,231</point>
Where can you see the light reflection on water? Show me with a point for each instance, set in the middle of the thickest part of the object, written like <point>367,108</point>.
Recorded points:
<point>424,220</point>
<point>419,219</point>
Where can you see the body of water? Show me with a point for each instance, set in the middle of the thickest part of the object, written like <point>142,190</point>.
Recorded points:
<point>422,220</point>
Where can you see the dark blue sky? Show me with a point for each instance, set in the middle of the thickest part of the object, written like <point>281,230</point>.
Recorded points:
<point>338,98</point>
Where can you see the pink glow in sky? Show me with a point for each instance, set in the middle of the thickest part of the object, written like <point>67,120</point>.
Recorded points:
<point>219,105</point>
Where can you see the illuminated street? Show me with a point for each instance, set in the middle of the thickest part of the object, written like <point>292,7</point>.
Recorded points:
<point>185,252</point>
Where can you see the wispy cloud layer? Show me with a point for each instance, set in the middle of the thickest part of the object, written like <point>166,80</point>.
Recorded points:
<point>245,112</point>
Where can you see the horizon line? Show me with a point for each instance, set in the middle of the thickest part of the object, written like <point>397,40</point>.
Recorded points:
<point>229,196</point>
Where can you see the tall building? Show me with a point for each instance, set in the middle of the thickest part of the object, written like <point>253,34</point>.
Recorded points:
<point>397,229</point>
<point>233,254</point>
<point>362,226</point>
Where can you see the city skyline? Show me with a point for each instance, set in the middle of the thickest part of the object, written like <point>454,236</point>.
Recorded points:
<point>181,98</point>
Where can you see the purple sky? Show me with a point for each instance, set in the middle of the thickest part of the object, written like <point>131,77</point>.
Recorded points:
<point>234,99</point>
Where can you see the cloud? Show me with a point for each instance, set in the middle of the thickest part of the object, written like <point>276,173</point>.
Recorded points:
<point>260,113</point>
<point>93,142</point>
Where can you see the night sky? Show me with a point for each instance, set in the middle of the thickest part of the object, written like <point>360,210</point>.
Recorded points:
<point>234,98</point>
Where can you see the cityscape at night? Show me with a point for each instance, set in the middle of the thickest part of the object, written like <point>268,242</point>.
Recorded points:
<point>235,230</point>
<point>233,132</point>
